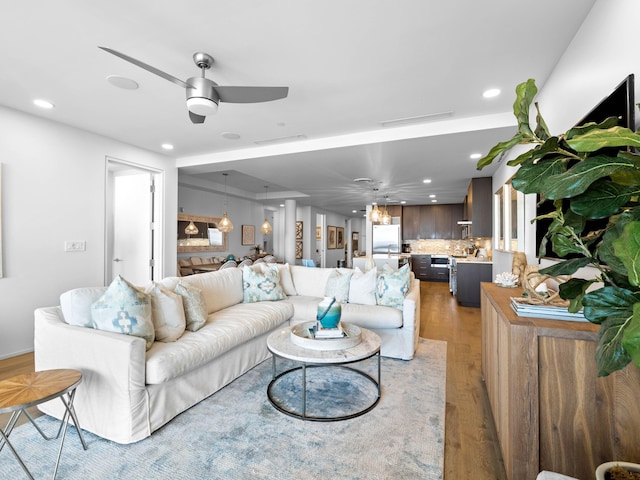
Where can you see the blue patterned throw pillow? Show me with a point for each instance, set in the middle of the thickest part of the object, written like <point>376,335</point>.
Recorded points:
<point>392,286</point>
<point>124,309</point>
<point>262,286</point>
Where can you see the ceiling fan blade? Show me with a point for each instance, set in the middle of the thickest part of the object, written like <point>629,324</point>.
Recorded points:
<point>149,68</point>
<point>250,94</point>
<point>195,118</point>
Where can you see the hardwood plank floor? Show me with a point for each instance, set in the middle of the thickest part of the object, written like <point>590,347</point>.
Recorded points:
<point>471,448</point>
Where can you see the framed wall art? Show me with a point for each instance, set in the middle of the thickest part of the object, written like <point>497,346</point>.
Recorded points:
<point>299,230</point>
<point>298,249</point>
<point>248,235</point>
<point>331,237</point>
<point>339,237</point>
<point>318,232</point>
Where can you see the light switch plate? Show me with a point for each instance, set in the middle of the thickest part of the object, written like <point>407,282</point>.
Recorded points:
<point>75,246</point>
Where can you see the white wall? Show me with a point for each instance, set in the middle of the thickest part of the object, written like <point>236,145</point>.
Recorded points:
<point>601,55</point>
<point>53,190</point>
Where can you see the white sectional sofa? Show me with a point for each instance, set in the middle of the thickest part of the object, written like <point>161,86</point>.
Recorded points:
<point>129,391</point>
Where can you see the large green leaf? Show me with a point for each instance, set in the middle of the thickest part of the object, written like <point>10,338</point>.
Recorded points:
<point>525,92</point>
<point>598,138</point>
<point>610,353</point>
<point>541,131</point>
<point>627,248</point>
<point>566,267</point>
<point>631,336</point>
<point>532,177</point>
<point>587,127</point>
<point>498,149</point>
<point>564,245</point>
<point>577,179</point>
<point>574,290</point>
<point>550,146</point>
<point>606,252</point>
<point>602,199</point>
<point>607,301</point>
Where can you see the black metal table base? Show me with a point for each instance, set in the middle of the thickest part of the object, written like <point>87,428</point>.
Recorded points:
<point>304,365</point>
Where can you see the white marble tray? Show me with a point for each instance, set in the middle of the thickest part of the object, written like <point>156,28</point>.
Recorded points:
<point>301,336</point>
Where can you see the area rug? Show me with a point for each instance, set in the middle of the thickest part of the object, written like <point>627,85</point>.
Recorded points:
<point>236,434</point>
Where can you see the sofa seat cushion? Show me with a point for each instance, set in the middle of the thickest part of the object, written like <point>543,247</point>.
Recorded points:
<point>367,316</point>
<point>224,330</point>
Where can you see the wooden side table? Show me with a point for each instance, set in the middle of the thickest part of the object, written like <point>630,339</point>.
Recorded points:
<point>23,391</point>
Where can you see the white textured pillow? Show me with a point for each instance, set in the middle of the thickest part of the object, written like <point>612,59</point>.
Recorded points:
<point>338,285</point>
<point>124,309</point>
<point>195,308</point>
<point>76,305</point>
<point>362,288</point>
<point>167,311</point>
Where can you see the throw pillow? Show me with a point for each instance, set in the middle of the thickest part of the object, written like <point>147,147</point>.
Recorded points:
<point>124,309</point>
<point>338,285</point>
<point>392,286</point>
<point>195,308</point>
<point>167,312</point>
<point>261,286</point>
<point>362,288</point>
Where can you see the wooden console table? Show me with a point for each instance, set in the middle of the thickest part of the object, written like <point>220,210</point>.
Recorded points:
<point>551,410</point>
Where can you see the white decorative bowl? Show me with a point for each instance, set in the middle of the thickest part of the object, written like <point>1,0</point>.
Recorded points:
<point>603,468</point>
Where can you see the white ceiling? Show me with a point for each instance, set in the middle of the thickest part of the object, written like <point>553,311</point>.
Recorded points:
<point>349,66</point>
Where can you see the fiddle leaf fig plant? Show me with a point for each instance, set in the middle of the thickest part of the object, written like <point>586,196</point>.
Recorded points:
<point>591,172</point>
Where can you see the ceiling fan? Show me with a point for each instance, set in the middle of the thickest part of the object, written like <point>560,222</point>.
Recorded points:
<point>203,95</point>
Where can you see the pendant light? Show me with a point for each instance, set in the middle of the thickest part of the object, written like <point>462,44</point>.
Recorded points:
<point>191,229</point>
<point>375,215</point>
<point>385,218</point>
<point>225,225</point>
<point>266,228</point>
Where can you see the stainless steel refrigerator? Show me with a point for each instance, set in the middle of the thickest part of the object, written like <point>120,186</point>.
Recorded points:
<point>386,239</point>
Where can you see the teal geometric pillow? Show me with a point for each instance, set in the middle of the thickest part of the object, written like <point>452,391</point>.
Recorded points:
<point>124,309</point>
<point>392,286</point>
<point>262,286</point>
<point>195,307</point>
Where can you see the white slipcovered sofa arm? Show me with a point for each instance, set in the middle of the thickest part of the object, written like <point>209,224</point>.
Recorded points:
<point>411,314</point>
<point>113,368</point>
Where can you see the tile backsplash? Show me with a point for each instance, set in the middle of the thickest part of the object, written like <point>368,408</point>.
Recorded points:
<point>449,247</point>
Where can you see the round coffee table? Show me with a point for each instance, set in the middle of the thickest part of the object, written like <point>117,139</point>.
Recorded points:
<point>281,346</point>
<point>23,391</point>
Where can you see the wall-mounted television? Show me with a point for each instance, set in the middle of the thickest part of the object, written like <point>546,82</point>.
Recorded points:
<point>620,103</point>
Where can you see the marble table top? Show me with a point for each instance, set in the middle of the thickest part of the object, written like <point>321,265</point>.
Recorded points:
<point>280,344</point>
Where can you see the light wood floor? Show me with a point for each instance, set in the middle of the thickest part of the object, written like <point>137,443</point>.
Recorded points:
<point>471,449</point>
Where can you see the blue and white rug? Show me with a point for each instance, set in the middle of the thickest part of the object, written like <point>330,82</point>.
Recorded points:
<point>236,434</point>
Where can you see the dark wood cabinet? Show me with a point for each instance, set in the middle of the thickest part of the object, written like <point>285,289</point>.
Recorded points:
<point>469,276</point>
<point>421,266</point>
<point>431,222</point>
<point>478,207</point>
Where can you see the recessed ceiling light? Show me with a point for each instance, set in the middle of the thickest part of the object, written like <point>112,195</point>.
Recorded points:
<point>475,156</point>
<point>426,180</point>
<point>43,103</point>
<point>282,204</point>
<point>433,195</point>
<point>167,146</point>
<point>354,211</point>
<point>122,82</point>
<point>403,202</point>
<point>230,135</point>
<point>434,201</point>
<point>492,92</point>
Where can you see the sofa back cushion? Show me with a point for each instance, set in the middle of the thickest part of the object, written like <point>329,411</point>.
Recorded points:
<point>220,289</point>
<point>310,281</point>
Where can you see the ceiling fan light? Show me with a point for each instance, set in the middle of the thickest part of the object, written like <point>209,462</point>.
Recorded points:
<point>225,225</point>
<point>266,227</point>
<point>202,106</point>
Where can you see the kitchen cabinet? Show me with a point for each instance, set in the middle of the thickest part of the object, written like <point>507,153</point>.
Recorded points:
<point>431,221</point>
<point>551,410</point>
<point>478,207</point>
<point>469,275</point>
<point>421,266</point>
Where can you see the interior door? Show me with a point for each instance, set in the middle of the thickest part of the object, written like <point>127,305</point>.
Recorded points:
<point>131,237</point>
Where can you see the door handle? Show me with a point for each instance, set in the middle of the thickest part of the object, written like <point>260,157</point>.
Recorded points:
<point>117,260</point>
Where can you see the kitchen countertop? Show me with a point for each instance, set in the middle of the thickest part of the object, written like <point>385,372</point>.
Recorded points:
<point>472,260</point>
